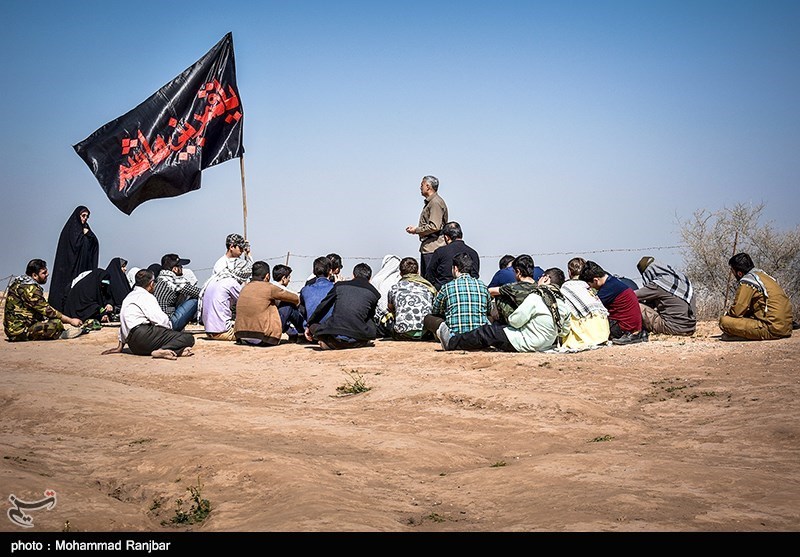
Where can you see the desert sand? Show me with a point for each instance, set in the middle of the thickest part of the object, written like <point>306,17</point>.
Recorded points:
<point>674,435</point>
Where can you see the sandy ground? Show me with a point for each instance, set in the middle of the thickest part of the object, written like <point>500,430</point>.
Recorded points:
<point>678,434</point>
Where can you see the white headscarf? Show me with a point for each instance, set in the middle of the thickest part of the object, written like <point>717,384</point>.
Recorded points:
<point>385,278</point>
<point>131,275</point>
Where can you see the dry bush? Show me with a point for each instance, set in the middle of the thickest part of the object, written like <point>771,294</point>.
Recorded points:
<point>711,238</point>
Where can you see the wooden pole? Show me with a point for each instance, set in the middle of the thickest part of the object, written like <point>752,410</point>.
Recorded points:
<point>287,259</point>
<point>730,272</point>
<point>244,196</point>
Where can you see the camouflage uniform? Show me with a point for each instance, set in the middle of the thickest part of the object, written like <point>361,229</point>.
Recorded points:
<point>28,316</point>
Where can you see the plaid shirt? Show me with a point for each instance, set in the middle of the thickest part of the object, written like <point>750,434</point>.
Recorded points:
<point>464,303</point>
<point>168,290</point>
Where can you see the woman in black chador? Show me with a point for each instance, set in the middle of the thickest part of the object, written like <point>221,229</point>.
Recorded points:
<point>78,251</point>
<point>120,287</point>
<point>90,298</point>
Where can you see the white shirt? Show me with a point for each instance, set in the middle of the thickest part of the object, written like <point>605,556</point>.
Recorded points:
<point>224,261</point>
<point>140,307</point>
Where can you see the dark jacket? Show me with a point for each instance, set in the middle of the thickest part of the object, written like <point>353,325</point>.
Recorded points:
<point>353,302</point>
<point>440,269</point>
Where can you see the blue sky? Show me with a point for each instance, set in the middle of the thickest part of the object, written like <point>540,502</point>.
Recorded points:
<point>556,128</point>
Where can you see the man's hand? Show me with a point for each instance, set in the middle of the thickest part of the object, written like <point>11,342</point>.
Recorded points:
<point>308,335</point>
<point>74,321</point>
<point>116,350</point>
<point>411,229</point>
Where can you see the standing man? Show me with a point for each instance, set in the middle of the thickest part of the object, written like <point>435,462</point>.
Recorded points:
<point>28,316</point>
<point>431,221</point>
<point>761,309</point>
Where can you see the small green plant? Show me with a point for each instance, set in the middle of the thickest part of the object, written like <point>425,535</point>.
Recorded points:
<point>499,464</point>
<point>198,511</point>
<point>353,385</point>
<point>435,517</point>
<point>601,439</point>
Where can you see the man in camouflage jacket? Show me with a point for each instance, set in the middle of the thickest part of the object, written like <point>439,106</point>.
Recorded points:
<point>27,315</point>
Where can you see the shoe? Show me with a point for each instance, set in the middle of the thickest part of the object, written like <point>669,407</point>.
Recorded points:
<point>72,332</point>
<point>443,334</point>
<point>631,338</point>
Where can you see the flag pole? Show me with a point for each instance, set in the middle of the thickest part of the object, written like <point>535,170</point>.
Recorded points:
<point>244,196</point>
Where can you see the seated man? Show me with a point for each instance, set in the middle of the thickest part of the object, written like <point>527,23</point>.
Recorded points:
<point>291,317</point>
<point>352,304</point>
<point>175,294</point>
<point>666,299</point>
<point>440,269</point>
<point>761,309</point>
<point>409,301</point>
<point>460,305</point>
<point>537,315</point>
<point>220,295</point>
<point>624,315</point>
<point>145,328</point>
<point>589,317</point>
<point>258,320</point>
<point>27,314</point>
<point>236,248</point>
<point>505,275</point>
<point>315,290</point>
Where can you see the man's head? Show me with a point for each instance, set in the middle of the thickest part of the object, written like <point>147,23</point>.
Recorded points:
<point>145,278</point>
<point>362,270</point>
<point>452,232</point>
<point>428,186</point>
<point>593,274</point>
<point>236,245</point>
<point>553,275</point>
<point>408,266</point>
<point>260,271</point>
<point>462,264</point>
<point>506,261</point>
<point>574,267</point>
<point>173,262</point>
<point>37,270</point>
<point>336,262</point>
<point>322,267</point>
<point>644,263</point>
<point>741,264</point>
<point>282,274</point>
<point>523,266</point>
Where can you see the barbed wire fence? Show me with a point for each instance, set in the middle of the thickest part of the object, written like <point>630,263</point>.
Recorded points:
<point>298,282</point>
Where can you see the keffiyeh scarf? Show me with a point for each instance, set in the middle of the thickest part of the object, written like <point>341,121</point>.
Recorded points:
<point>582,300</point>
<point>667,278</point>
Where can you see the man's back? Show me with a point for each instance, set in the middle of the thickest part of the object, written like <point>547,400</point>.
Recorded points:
<point>312,294</point>
<point>352,304</point>
<point>772,307</point>
<point>464,303</point>
<point>622,304</point>
<point>440,270</point>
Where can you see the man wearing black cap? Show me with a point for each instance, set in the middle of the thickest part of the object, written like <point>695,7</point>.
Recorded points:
<point>176,295</point>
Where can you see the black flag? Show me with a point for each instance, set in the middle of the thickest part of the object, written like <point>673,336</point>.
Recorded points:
<point>159,148</point>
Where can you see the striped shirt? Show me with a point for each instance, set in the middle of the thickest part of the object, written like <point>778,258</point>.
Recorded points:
<point>464,303</point>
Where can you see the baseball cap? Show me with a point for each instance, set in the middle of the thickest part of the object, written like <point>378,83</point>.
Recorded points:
<point>171,260</point>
